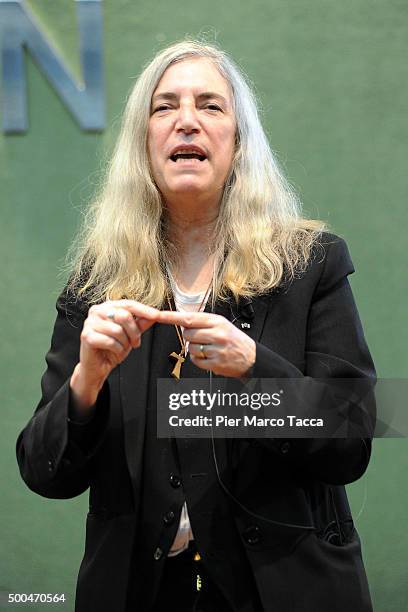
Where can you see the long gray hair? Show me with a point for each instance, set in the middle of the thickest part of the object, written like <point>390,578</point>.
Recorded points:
<point>260,234</point>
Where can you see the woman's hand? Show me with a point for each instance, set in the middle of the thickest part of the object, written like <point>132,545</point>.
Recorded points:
<point>111,330</point>
<point>215,343</point>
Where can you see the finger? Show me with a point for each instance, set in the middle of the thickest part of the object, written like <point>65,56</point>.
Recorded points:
<point>144,324</point>
<point>188,319</point>
<point>201,351</point>
<point>107,327</point>
<point>200,336</point>
<point>137,308</point>
<point>100,341</point>
<point>127,322</point>
<point>109,308</point>
<point>219,333</point>
<point>203,364</point>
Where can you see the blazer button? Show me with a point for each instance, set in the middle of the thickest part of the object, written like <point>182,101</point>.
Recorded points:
<point>50,466</point>
<point>168,518</point>
<point>158,553</point>
<point>175,481</point>
<point>285,448</point>
<point>252,534</point>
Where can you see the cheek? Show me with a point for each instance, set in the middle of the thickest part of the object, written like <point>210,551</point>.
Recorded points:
<point>227,138</point>
<point>151,145</point>
<point>156,137</point>
<point>154,148</point>
<point>226,148</point>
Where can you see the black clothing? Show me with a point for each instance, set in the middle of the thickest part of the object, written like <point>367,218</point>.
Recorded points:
<point>186,586</point>
<point>309,327</point>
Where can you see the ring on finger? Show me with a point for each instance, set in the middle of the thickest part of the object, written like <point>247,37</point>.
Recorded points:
<point>203,355</point>
<point>111,315</point>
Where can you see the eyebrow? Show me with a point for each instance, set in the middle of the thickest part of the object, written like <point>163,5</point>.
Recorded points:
<point>206,95</point>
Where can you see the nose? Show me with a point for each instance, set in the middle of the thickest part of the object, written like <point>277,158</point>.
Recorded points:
<point>187,119</point>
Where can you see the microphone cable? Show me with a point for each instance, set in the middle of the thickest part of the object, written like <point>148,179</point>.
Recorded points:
<point>267,519</point>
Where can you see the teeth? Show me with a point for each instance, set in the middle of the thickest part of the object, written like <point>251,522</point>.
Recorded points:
<point>187,154</point>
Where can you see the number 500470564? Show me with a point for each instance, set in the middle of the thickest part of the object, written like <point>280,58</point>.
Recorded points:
<point>36,598</point>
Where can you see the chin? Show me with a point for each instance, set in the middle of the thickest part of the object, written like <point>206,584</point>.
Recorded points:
<point>188,185</point>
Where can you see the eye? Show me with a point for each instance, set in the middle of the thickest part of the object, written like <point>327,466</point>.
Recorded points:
<point>213,107</point>
<point>161,108</point>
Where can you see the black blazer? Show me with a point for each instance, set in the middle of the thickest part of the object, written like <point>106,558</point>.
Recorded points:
<point>309,327</point>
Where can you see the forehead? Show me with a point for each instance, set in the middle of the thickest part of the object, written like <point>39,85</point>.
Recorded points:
<point>195,75</point>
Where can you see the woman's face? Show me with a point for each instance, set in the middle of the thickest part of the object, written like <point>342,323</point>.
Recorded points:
<point>191,135</point>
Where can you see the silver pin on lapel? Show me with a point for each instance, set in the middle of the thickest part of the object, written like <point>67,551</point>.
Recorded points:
<point>247,325</point>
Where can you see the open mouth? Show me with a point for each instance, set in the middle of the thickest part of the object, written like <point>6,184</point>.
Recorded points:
<point>179,156</point>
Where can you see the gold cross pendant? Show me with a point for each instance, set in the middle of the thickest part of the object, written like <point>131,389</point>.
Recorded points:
<point>177,367</point>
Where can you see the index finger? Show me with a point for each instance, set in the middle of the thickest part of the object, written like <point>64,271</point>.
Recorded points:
<point>187,319</point>
<point>136,308</point>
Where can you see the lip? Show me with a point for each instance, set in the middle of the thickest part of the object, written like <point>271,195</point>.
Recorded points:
<point>190,148</point>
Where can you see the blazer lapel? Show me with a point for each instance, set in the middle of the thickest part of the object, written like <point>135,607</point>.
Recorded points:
<point>248,315</point>
<point>134,384</point>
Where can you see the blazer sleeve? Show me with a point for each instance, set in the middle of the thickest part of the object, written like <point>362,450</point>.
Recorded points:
<point>53,453</point>
<point>335,349</point>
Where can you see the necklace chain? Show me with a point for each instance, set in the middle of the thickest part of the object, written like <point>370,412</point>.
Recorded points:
<point>181,356</point>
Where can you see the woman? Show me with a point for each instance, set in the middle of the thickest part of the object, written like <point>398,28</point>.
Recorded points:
<point>195,215</point>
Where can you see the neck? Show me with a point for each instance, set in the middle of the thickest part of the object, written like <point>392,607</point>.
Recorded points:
<point>190,228</point>
<point>192,231</point>
<point>193,241</point>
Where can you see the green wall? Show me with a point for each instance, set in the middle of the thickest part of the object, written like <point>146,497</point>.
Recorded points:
<point>332,79</point>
